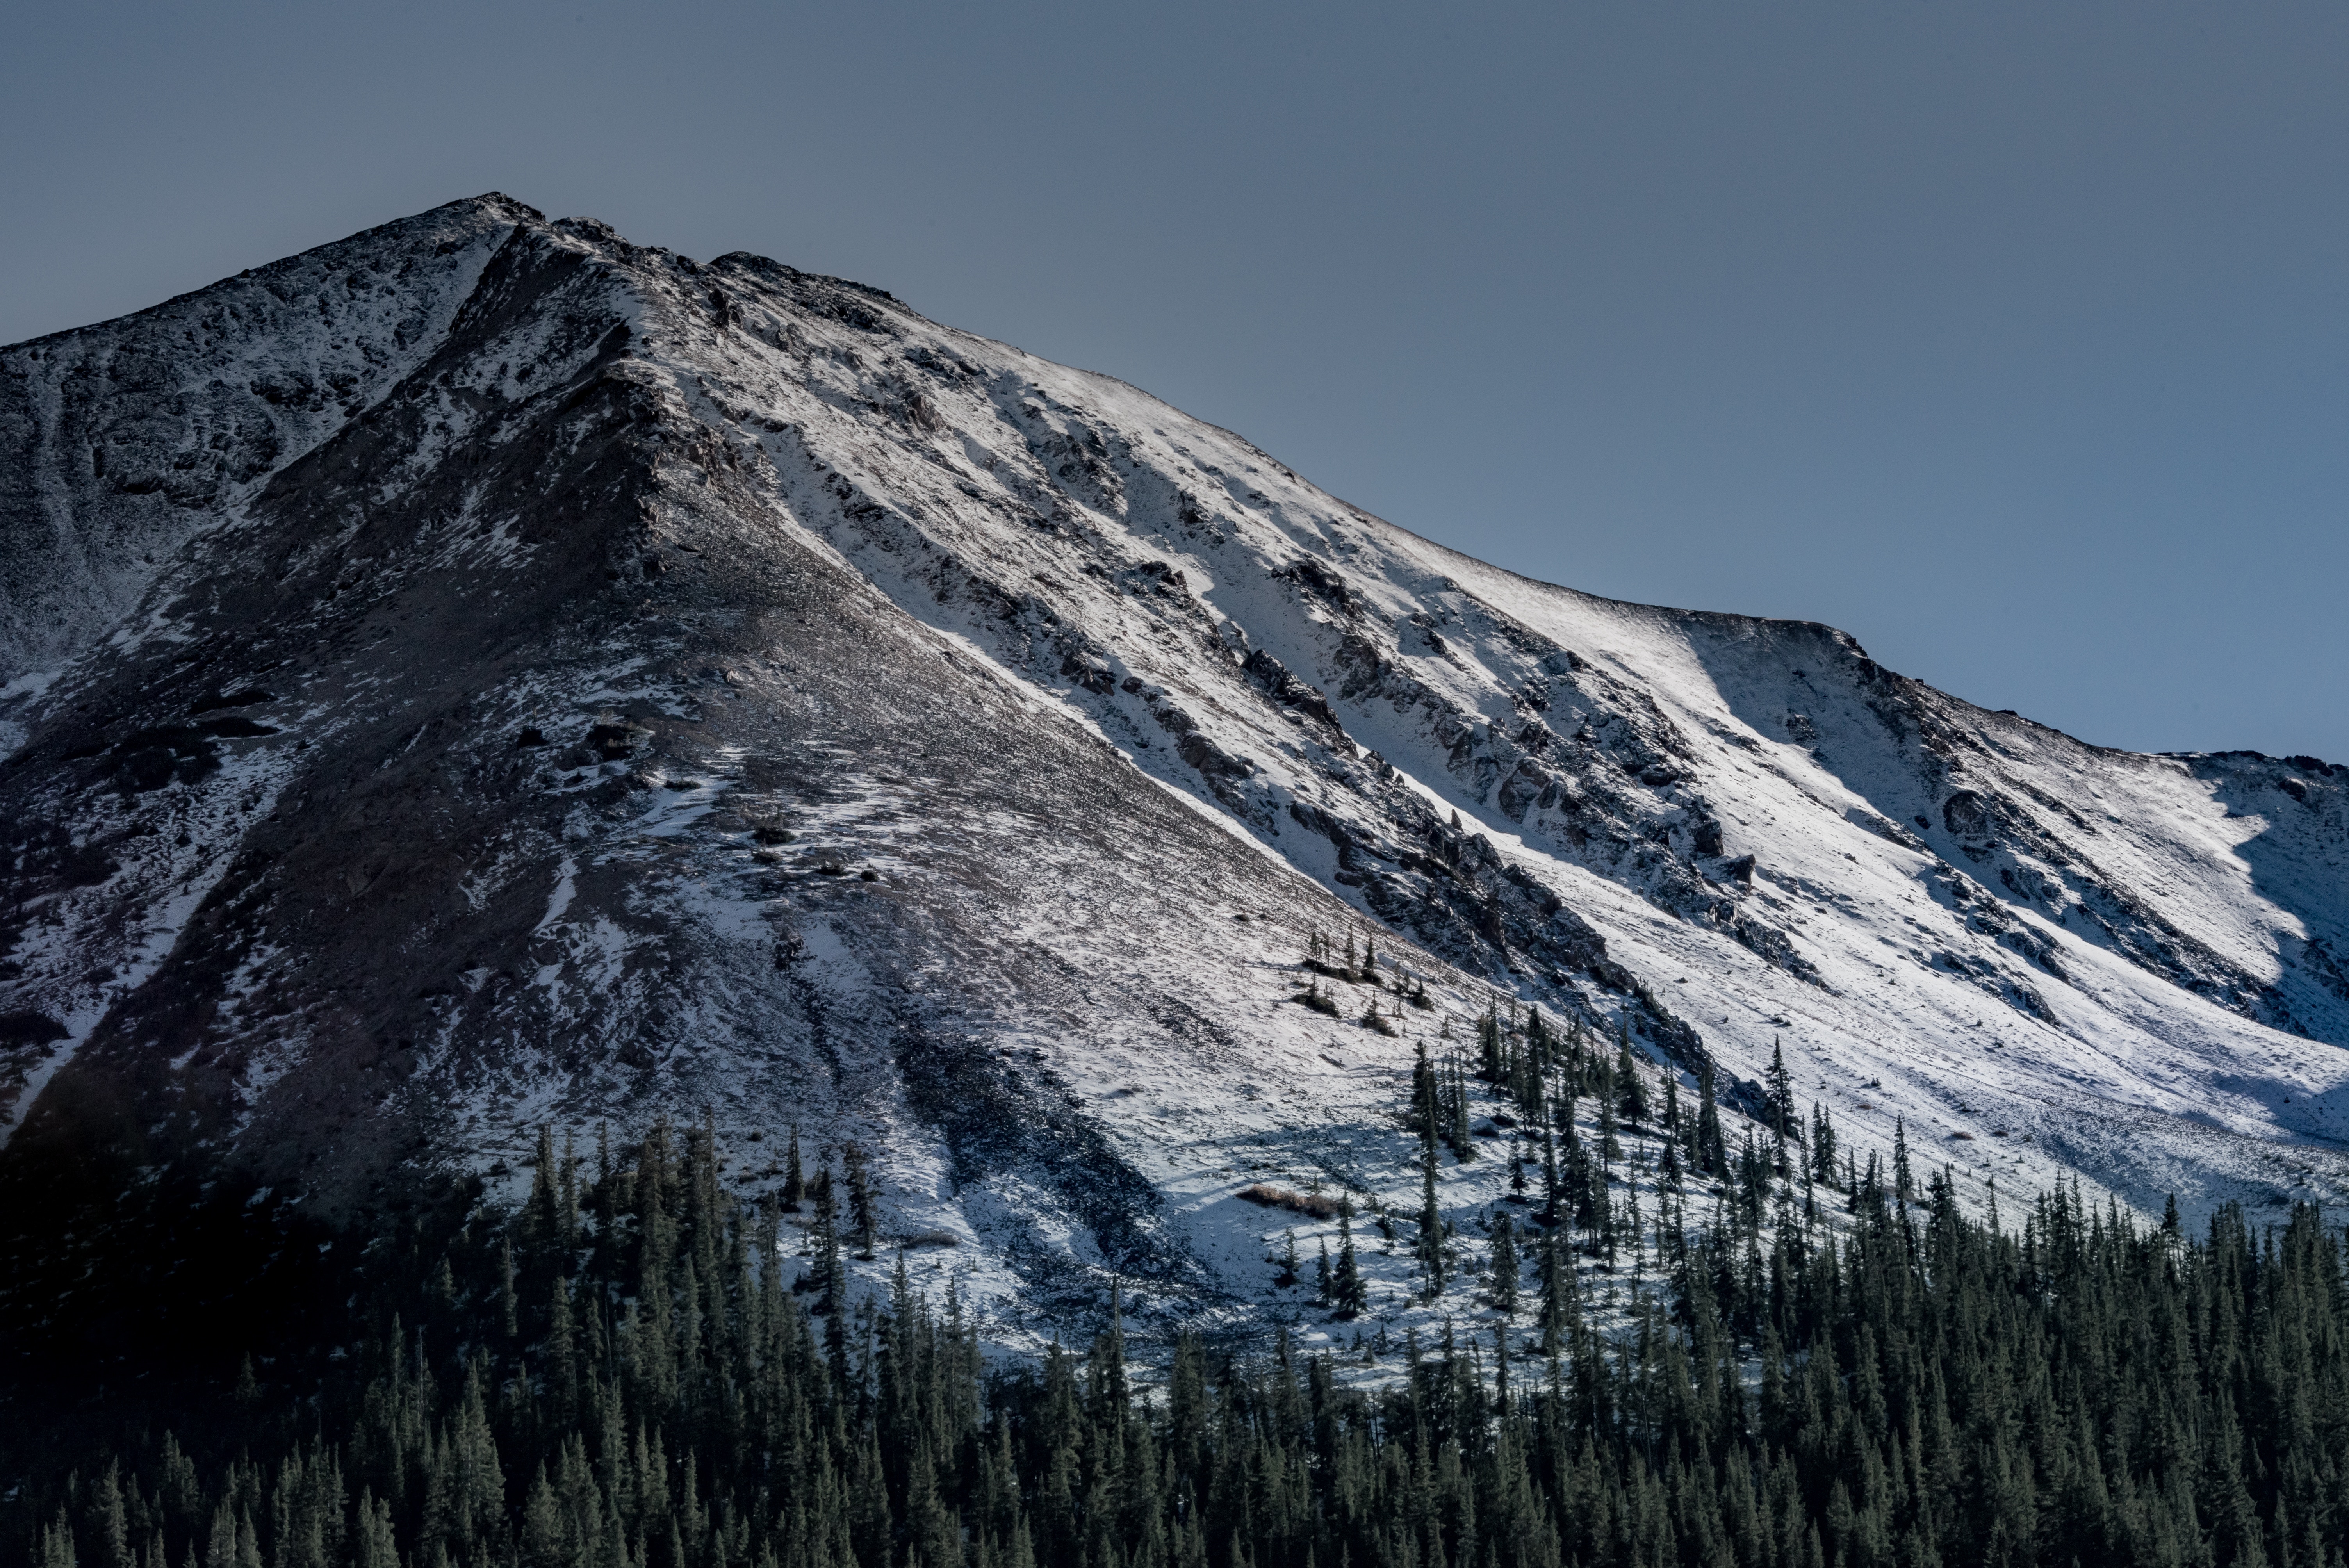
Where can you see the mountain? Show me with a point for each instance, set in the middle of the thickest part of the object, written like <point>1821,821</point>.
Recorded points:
<point>485,675</point>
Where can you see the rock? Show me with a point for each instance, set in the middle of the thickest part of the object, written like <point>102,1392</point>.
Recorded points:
<point>615,739</point>
<point>1211,761</point>
<point>29,1029</point>
<point>1525,784</point>
<point>1966,814</point>
<point>1089,672</point>
<point>244,698</point>
<point>1287,690</point>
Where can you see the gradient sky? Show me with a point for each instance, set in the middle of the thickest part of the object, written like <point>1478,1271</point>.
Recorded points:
<point>2009,338</point>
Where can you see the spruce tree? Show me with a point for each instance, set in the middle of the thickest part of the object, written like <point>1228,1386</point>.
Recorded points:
<point>1504,1266</point>
<point>1630,1088</point>
<point>1431,1228</point>
<point>1464,1147</point>
<point>1778,1099</point>
<point>2095,1388</point>
<point>1710,1154</point>
<point>823,1239</point>
<point>1904,1188</point>
<point>1557,1295</point>
<point>863,1207</point>
<point>1426,1114</point>
<point>794,1183</point>
<point>1352,1293</point>
<point>1549,1211</point>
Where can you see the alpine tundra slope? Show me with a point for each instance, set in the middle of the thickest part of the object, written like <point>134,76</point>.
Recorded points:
<point>485,675</point>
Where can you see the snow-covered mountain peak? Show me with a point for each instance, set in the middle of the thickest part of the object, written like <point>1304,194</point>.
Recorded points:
<point>486,673</point>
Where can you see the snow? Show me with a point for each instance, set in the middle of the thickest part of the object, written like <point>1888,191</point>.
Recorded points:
<point>1034,579</point>
<point>1886,1030</point>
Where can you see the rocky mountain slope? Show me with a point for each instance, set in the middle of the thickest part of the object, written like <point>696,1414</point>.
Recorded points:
<point>486,674</point>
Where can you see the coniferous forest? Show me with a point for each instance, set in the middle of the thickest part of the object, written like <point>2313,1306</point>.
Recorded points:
<point>636,1371</point>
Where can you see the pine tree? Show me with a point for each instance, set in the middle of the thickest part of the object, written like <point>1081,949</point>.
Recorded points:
<point>1556,1295</point>
<point>824,1239</point>
<point>794,1183</point>
<point>57,1546</point>
<point>1505,1267</point>
<point>376,1544</point>
<point>1426,1113</point>
<point>1551,1189</point>
<point>1795,1395</point>
<point>1630,1088</point>
<point>509,1305</point>
<point>1431,1228</point>
<point>1822,1145</point>
<point>110,1528</point>
<point>1352,1294</point>
<point>864,1210</point>
<point>1710,1154</point>
<point>1464,1147</point>
<point>1778,1098</point>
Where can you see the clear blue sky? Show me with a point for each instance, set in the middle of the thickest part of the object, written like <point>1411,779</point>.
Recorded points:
<point>2010,338</point>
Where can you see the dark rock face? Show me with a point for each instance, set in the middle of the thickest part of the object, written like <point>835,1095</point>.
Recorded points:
<point>1966,815</point>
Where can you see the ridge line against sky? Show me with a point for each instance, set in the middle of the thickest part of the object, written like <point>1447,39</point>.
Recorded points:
<point>2009,341</point>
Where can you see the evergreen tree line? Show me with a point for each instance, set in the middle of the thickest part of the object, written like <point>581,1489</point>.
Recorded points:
<point>636,1371</point>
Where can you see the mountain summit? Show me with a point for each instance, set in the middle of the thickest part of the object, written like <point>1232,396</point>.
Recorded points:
<point>484,674</point>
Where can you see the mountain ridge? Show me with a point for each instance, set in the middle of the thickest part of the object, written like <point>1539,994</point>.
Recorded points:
<point>621,610</point>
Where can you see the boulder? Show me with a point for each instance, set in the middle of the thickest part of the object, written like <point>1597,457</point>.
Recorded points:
<point>1967,814</point>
